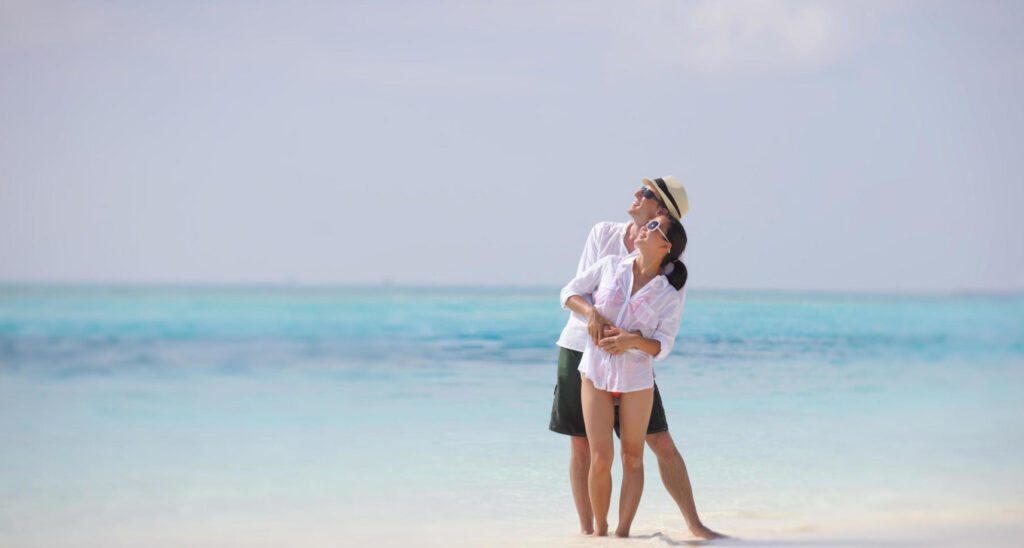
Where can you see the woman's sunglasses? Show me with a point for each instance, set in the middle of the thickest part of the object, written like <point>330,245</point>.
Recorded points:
<point>649,194</point>
<point>656,225</point>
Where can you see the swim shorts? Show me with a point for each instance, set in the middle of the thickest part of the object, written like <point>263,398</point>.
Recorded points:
<point>567,409</point>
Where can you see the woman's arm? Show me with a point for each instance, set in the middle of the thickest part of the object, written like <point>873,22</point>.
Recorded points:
<point>617,341</point>
<point>668,325</point>
<point>659,344</point>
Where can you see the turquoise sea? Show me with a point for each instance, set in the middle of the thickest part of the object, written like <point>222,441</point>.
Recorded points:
<point>220,416</point>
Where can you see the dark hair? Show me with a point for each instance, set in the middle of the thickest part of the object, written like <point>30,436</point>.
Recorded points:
<point>677,237</point>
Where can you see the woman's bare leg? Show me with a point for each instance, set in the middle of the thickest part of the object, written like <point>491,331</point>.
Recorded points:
<point>599,417</point>
<point>634,414</point>
<point>579,475</point>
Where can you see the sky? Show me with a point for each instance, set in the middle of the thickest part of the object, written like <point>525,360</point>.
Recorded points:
<point>825,146</point>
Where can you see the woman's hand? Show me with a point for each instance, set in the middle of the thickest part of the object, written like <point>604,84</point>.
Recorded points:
<point>616,341</point>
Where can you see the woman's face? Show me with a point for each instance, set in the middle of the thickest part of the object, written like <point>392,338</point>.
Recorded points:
<point>653,239</point>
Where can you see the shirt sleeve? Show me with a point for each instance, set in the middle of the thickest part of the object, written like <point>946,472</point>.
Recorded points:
<point>584,283</point>
<point>590,251</point>
<point>668,324</point>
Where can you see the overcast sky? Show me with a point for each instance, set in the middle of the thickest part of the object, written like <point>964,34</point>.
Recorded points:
<point>824,146</point>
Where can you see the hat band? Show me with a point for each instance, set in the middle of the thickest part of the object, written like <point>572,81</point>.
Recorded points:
<point>664,189</point>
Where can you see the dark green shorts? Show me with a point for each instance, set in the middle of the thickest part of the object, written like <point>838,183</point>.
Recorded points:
<point>567,410</point>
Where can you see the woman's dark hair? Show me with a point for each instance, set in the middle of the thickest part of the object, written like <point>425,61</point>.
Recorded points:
<point>677,237</point>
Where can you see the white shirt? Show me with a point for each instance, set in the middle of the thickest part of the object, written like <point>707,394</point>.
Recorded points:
<point>654,310</point>
<point>605,239</point>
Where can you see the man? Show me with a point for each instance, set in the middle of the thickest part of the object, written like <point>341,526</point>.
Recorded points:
<point>661,196</point>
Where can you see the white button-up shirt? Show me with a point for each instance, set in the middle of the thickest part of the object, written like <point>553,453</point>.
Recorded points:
<point>654,310</point>
<point>604,240</point>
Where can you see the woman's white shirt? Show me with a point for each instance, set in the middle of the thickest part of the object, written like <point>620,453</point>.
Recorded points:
<point>655,310</point>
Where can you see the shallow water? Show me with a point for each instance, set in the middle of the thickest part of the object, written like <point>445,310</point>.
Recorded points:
<point>247,416</point>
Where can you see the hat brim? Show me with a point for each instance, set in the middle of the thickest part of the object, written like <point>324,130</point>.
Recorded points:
<point>662,196</point>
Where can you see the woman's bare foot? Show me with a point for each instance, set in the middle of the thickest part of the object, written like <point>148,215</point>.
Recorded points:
<point>622,533</point>
<point>602,530</point>
<point>587,530</point>
<point>703,532</point>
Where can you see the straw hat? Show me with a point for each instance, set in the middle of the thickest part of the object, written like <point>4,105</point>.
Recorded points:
<point>672,194</point>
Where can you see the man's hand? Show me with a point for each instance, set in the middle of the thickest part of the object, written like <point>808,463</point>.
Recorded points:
<point>616,341</point>
<point>596,324</point>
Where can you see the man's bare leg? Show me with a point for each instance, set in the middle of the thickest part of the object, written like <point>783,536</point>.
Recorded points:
<point>579,471</point>
<point>677,482</point>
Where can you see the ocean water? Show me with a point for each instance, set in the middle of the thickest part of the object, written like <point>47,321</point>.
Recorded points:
<point>345,417</point>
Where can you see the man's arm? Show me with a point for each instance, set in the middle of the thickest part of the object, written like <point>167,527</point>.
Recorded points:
<point>590,251</point>
<point>596,323</point>
<point>572,298</point>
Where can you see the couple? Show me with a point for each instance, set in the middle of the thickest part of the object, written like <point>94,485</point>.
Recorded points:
<point>627,300</point>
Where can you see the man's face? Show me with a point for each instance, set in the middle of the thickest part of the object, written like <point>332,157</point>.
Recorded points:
<point>645,204</point>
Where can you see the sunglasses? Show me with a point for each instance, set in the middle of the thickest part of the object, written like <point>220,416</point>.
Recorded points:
<point>649,194</point>
<point>656,225</point>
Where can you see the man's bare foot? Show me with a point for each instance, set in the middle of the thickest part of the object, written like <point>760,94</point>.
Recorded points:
<point>703,532</point>
<point>602,530</point>
<point>622,533</point>
<point>587,531</point>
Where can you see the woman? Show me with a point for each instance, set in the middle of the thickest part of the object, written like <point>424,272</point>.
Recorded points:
<point>616,364</point>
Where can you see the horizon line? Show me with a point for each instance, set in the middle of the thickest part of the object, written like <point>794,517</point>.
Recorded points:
<point>314,286</point>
